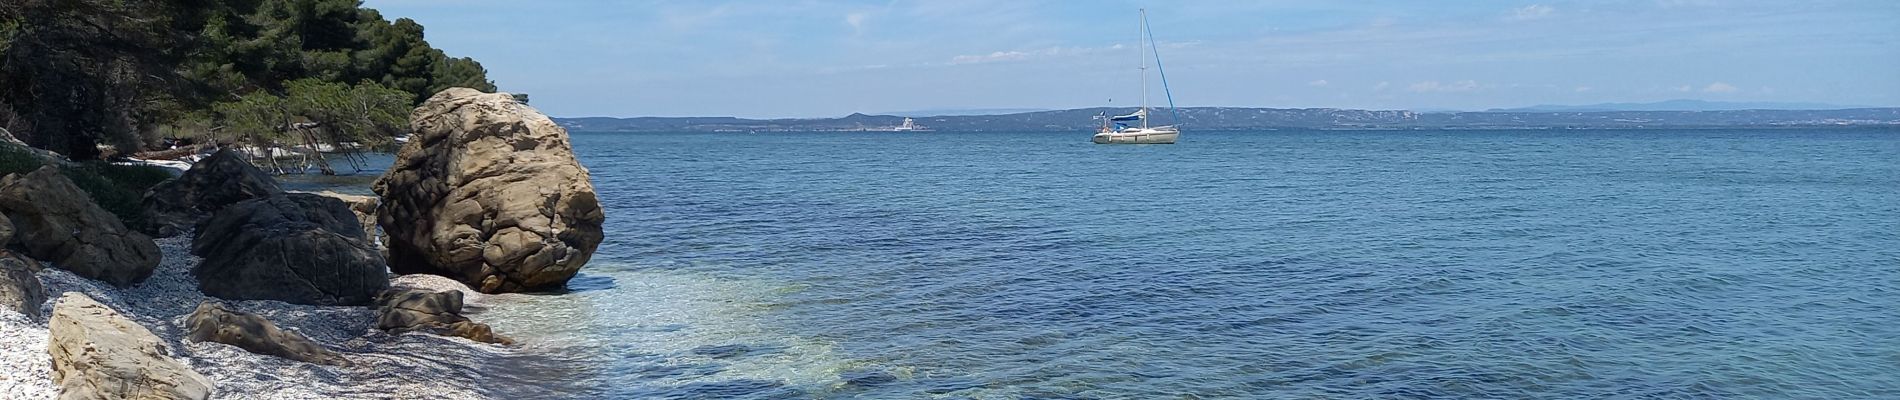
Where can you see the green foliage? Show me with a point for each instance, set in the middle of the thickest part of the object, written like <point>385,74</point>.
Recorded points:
<point>83,71</point>
<point>366,113</point>
<point>14,159</point>
<point>259,117</point>
<point>78,73</point>
<point>116,188</point>
<point>459,72</point>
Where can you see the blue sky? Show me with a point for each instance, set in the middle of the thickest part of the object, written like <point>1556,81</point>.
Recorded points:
<point>830,58</point>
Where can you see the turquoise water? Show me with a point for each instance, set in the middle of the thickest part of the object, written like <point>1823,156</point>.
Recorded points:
<point>1294,264</point>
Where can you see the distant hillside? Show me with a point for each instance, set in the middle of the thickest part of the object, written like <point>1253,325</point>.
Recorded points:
<point>961,111</point>
<point>1678,105</point>
<point>1233,118</point>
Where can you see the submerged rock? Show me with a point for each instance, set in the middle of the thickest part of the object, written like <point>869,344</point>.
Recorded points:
<point>224,178</point>
<point>488,192</point>
<point>99,354</point>
<point>406,310</point>
<point>20,290</point>
<point>212,323</point>
<point>297,248</point>
<point>56,222</point>
<point>867,378</point>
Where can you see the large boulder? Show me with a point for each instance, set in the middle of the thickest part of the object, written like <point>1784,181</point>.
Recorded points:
<point>363,206</point>
<point>224,178</point>
<point>56,222</point>
<point>488,192</point>
<point>99,354</point>
<point>407,309</point>
<point>296,247</point>
<point>212,323</point>
<point>20,289</point>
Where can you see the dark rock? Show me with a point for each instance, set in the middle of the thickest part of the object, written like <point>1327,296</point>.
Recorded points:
<point>253,333</point>
<point>867,378</point>
<point>488,192</point>
<point>223,179</point>
<point>99,354</point>
<point>6,231</point>
<point>296,248</point>
<point>722,351</point>
<point>8,140</point>
<point>20,289</point>
<point>440,313</point>
<point>365,209</point>
<point>56,222</point>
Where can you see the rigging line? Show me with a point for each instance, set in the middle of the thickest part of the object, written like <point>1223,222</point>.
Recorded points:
<point>1164,73</point>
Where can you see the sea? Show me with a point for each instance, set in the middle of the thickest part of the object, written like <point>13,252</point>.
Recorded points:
<point>1559,264</point>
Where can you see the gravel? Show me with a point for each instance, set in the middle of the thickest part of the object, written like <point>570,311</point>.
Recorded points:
<point>386,366</point>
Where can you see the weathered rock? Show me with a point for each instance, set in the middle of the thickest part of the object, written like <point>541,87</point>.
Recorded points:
<point>99,354</point>
<point>9,142</point>
<point>488,192</point>
<point>6,231</point>
<point>296,247</point>
<point>223,179</point>
<point>7,138</point>
<point>212,323</point>
<point>55,222</point>
<point>405,310</point>
<point>365,209</point>
<point>20,290</point>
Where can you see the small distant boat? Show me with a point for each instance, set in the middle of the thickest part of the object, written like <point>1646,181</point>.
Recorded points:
<point>910,126</point>
<point>1115,130</point>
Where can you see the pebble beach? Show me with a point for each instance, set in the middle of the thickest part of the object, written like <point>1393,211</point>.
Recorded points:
<point>433,367</point>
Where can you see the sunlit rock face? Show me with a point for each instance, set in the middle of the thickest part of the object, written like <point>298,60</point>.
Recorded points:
<point>488,192</point>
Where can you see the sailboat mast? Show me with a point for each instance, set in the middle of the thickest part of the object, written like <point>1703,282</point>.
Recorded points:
<point>1141,52</point>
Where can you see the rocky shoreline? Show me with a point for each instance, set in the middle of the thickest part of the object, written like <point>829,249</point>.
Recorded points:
<point>249,291</point>
<point>164,301</point>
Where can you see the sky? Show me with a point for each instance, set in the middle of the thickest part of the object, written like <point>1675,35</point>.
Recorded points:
<point>807,58</point>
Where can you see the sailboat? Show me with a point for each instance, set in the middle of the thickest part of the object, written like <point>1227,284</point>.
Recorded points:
<point>1115,130</point>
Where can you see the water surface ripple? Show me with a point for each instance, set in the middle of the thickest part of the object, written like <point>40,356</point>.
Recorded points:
<point>1505,264</point>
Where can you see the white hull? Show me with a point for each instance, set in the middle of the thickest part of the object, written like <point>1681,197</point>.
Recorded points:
<point>1138,136</point>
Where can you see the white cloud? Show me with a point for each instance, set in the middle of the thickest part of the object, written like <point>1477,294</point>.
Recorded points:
<point>856,21</point>
<point>1434,86</point>
<point>1720,87</point>
<point>1019,55</point>
<point>1317,83</point>
<point>1684,88</point>
<point>992,57</point>
<point>1381,86</point>
<point>1581,89</point>
<point>1530,12</point>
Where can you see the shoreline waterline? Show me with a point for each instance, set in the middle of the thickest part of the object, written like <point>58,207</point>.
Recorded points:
<point>431,366</point>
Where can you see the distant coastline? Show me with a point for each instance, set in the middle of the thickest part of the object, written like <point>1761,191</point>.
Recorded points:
<point>1241,118</point>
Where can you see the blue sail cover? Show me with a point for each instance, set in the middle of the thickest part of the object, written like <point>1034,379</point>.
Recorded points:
<point>1130,117</point>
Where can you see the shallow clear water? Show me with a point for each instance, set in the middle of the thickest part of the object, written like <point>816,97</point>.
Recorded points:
<point>1502,264</point>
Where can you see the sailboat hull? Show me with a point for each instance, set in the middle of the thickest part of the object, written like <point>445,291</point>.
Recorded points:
<point>1146,136</point>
